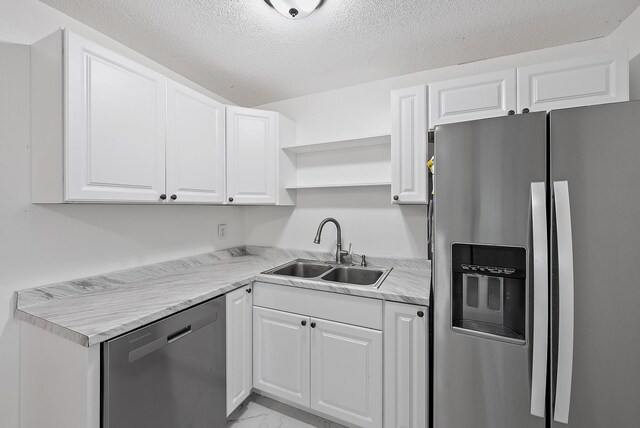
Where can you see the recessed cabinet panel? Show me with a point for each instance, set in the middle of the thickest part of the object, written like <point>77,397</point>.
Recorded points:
<point>251,150</point>
<point>116,126</point>
<point>346,372</point>
<point>406,366</point>
<point>239,347</point>
<point>473,97</point>
<point>195,146</point>
<point>574,82</point>
<point>281,354</point>
<point>409,145</point>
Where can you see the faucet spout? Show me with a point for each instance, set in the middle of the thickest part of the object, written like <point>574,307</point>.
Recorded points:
<point>339,253</point>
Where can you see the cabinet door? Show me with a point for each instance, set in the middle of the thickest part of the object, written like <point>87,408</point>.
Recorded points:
<point>473,97</point>
<point>281,354</point>
<point>251,156</point>
<point>405,366</point>
<point>195,147</point>
<point>239,346</point>
<point>409,145</point>
<point>596,79</point>
<point>115,114</point>
<point>346,372</point>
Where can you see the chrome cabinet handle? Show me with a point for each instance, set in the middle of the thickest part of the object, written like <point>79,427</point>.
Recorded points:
<point>540,298</point>
<point>565,301</point>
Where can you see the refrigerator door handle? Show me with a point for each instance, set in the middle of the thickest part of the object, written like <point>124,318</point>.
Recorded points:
<point>565,301</point>
<point>540,298</point>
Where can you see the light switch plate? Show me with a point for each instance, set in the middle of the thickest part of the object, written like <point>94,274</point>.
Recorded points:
<point>222,231</point>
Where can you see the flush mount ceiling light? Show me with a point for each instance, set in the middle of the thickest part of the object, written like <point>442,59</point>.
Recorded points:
<point>294,9</point>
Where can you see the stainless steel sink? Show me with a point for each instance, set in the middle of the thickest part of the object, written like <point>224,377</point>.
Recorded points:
<point>302,269</point>
<point>354,275</point>
<point>331,272</point>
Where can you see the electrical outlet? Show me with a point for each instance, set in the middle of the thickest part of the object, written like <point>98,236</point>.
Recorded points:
<point>222,231</point>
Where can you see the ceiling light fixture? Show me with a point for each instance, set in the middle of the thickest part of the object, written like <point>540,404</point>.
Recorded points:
<point>294,9</point>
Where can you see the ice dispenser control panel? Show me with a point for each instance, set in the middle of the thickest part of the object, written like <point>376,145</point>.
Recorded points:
<point>489,291</point>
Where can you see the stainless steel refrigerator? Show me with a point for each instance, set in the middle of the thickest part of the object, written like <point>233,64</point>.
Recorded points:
<point>536,260</point>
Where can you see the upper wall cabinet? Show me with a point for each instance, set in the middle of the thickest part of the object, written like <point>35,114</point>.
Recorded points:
<point>98,124</point>
<point>258,170</point>
<point>574,82</point>
<point>195,146</point>
<point>107,129</point>
<point>473,97</point>
<point>409,145</point>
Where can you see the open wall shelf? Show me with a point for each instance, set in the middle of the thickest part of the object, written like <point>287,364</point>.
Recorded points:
<point>340,145</point>
<point>322,185</point>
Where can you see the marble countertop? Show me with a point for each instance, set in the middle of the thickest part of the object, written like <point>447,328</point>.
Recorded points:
<point>91,310</point>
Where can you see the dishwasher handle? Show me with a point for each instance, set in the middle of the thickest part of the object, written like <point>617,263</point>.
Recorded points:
<point>163,341</point>
<point>179,334</point>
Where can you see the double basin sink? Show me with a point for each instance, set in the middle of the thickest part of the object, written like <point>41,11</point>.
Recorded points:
<point>331,272</point>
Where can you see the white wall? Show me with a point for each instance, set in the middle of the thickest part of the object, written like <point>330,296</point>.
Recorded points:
<point>43,244</point>
<point>368,221</point>
<point>627,36</point>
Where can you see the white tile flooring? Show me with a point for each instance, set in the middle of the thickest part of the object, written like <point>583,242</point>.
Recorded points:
<point>263,412</point>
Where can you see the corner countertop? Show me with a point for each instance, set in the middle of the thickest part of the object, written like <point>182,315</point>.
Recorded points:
<point>92,310</point>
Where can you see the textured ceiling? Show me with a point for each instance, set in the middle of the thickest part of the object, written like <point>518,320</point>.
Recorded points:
<point>246,52</point>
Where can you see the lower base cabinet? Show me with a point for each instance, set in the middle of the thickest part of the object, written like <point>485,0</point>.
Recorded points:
<point>406,351</point>
<point>239,346</point>
<point>332,368</point>
<point>314,357</point>
<point>346,372</point>
<point>281,354</point>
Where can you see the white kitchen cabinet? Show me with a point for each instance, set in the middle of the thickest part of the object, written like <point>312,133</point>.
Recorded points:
<point>406,371</point>
<point>195,150</point>
<point>346,372</point>
<point>281,354</point>
<point>239,346</point>
<point>98,125</point>
<point>341,337</point>
<point>596,79</point>
<point>258,170</point>
<point>409,145</point>
<point>472,97</point>
<point>107,129</point>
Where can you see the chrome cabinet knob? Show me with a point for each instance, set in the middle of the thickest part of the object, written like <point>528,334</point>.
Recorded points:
<point>396,197</point>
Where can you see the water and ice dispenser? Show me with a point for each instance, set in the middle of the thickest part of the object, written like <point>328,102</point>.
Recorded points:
<point>489,291</point>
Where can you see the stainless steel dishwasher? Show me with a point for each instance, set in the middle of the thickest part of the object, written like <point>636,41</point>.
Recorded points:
<point>169,374</point>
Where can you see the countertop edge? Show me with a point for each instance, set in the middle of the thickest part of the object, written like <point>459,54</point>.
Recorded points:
<point>395,292</point>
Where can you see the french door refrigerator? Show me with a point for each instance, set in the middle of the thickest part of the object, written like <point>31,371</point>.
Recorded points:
<point>536,290</point>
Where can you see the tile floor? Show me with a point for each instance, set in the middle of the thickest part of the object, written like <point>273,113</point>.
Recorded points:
<point>263,412</point>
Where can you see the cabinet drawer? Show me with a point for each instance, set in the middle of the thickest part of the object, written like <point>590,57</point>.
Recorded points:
<point>343,308</point>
